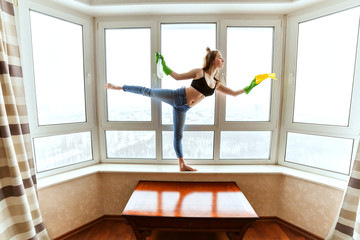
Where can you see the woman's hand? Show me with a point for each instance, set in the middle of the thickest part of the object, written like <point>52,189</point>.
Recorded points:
<point>166,69</point>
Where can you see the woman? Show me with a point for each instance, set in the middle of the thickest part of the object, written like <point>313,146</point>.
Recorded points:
<point>204,84</point>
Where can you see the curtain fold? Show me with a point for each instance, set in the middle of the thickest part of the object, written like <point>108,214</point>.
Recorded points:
<point>20,215</point>
<point>347,224</point>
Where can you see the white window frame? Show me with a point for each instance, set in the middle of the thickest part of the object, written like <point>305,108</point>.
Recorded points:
<point>219,122</point>
<point>349,132</point>
<point>284,65</point>
<point>194,127</point>
<point>90,125</point>
<point>106,125</point>
<point>273,124</point>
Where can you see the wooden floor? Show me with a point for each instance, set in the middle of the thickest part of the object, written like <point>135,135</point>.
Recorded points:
<point>115,229</point>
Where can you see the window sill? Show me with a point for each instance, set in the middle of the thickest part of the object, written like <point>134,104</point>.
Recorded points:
<point>202,169</point>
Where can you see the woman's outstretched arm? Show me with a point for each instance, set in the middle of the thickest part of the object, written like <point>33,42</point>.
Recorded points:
<point>187,75</point>
<point>229,91</point>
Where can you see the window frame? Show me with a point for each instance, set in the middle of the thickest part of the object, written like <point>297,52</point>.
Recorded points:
<point>191,21</point>
<point>106,125</point>
<point>90,124</point>
<point>219,122</point>
<point>282,98</point>
<point>273,123</point>
<point>352,130</point>
<point>191,127</point>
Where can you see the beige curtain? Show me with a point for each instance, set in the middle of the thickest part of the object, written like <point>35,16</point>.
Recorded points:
<point>20,216</point>
<point>347,225</point>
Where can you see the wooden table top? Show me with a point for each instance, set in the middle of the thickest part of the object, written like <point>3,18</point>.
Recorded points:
<point>189,199</point>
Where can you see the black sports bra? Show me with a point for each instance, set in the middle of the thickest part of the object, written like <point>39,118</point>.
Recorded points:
<point>202,86</point>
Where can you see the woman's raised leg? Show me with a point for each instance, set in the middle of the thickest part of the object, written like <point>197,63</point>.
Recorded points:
<point>164,95</point>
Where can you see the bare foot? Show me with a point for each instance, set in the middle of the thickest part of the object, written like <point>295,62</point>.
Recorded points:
<point>184,167</point>
<point>112,86</point>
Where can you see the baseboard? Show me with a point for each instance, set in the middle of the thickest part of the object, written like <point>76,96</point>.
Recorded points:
<point>81,228</point>
<point>293,227</point>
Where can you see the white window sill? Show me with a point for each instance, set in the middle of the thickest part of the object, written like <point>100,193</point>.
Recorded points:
<point>202,169</point>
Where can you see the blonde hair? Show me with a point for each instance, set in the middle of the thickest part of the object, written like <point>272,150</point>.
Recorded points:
<point>209,58</point>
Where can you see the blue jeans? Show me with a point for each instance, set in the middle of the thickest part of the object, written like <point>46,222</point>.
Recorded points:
<point>177,99</point>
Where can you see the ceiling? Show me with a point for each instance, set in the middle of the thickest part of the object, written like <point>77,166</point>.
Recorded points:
<point>98,8</point>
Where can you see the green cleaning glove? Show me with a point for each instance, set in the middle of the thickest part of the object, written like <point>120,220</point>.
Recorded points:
<point>258,79</point>
<point>166,69</point>
<point>251,86</point>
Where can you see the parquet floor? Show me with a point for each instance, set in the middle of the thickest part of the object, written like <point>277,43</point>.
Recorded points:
<point>113,229</point>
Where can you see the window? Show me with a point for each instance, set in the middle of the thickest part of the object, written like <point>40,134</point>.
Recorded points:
<point>245,145</point>
<point>61,120</point>
<point>321,126</point>
<point>58,69</point>
<point>249,129</point>
<point>184,48</point>
<point>196,145</point>
<point>139,130</point>
<point>319,151</point>
<point>62,150</point>
<point>125,144</point>
<point>249,52</point>
<point>72,117</point>
<point>325,68</point>
<point>128,120</point>
<point>128,53</point>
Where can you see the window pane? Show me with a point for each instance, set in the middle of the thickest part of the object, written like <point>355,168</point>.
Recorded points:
<point>249,53</point>
<point>184,48</point>
<point>245,145</point>
<point>329,153</point>
<point>59,69</point>
<point>196,145</point>
<point>128,61</point>
<point>130,144</point>
<point>62,150</point>
<point>325,68</point>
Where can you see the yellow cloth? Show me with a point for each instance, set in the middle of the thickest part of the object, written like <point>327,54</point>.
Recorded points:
<point>261,77</point>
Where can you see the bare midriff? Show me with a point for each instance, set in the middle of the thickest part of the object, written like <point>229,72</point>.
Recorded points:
<point>193,96</point>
